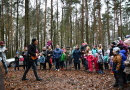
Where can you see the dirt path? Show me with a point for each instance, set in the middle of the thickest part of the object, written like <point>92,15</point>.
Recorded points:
<point>62,80</point>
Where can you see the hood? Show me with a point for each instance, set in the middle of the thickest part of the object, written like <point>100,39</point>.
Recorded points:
<point>123,51</point>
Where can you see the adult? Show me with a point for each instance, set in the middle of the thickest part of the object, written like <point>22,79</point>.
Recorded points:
<point>3,51</point>
<point>68,57</point>
<point>57,54</point>
<point>87,48</point>
<point>31,63</point>
<point>111,49</point>
<point>101,48</point>
<point>25,54</point>
<point>49,56</point>
<point>77,57</point>
<point>94,51</point>
<point>44,52</point>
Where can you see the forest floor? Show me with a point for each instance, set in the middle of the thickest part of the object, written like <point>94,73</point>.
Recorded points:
<point>62,80</point>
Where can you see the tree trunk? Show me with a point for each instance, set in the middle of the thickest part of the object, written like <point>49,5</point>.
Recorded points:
<point>120,21</point>
<point>108,23</point>
<point>51,19</point>
<point>45,22</point>
<point>37,25</point>
<point>17,27</point>
<point>82,28</point>
<point>2,26</point>
<point>87,21</point>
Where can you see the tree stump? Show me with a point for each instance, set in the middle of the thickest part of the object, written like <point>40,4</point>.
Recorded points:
<point>1,80</point>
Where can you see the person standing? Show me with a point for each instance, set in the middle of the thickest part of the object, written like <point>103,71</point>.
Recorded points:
<point>94,50</point>
<point>3,50</point>
<point>101,48</point>
<point>68,57</point>
<point>95,62</point>
<point>62,59</point>
<point>42,61</point>
<point>106,59</point>
<point>16,61</point>
<point>77,57</point>
<point>31,56</point>
<point>49,55</point>
<point>117,59</point>
<point>100,61</point>
<point>25,54</point>
<point>57,54</point>
<point>111,49</point>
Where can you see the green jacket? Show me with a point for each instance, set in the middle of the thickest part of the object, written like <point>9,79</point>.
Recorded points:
<point>63,57</point>
<point>106,58</point>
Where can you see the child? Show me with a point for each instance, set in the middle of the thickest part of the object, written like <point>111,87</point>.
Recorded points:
<point>117,59</point>
<point>16,61</point>
<point>90,63</point>
<point>111,64</point>
<point>95,62</point>
<point>100,61</point>
<point>62,59</point>
<point>106,59</point>
<point>42,61</point>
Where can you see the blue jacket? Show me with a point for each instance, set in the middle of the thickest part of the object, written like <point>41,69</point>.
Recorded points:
<point>76,56</point>
<point>123,53</point>
<point>42,59</point>
<point>94,50</point>
<point>57,53</point>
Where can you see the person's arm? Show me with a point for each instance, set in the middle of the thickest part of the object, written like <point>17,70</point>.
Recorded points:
<point>119,59</point>
<point>30,51</point>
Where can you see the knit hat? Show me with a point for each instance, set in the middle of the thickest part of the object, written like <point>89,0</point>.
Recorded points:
<point>113,43</point>
<point>68,46</point>
<point>2,42</point>
<point>90,52</point>
<point>96,54</point>
<point>33,40</point>
<point>83,44</point>
<point>117,49</point>
<point>127,41</point>
<point>127,36</point>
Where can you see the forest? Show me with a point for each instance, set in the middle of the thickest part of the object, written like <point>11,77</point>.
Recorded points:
<point>65,22</point>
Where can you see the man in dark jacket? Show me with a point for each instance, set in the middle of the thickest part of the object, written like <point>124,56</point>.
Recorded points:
<point>111,49</point>
<point>32,53</point>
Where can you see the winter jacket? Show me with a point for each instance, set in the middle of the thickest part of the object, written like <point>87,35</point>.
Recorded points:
<point>76,56</point>
<point>2,54</point>
<point>125,46</point>
<point>127,64</point>
<point>16,58</point>
<point>42,59</point>
<point>106,58</point>
<point>63,57</point>
<point>117,62</point>
<point>51,54</point>
<point>57,53</point>
<point>94,50</point>
<point>45,54</point>
<point>26,54</point>
<point>100,56</point>
<point>101,49</point>
<point>111,51</point>
<point>90,57</point>
<point>68,52</point>
<point>72,54</point>
<point>123,52</point>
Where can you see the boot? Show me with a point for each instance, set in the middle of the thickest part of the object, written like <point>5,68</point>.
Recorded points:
<point>24,78</point>
<point>39,79</point>
<point>101,71</point>
<point>115,85</point>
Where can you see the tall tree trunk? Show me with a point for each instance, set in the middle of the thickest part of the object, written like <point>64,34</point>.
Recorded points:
<point>114,18</point>
<point>51,19</point>
<point>2,26</point>
<point>87,21</point>
<point>71,23</point>
<point>76,25</point>
<point>37,25</point>
<point>100,30</point>
<point>108,22</point>
<point>120,21</point>
<point>57,25</point>
<point>82,28</point>
<point>62,29</point>
<point>45,22</point>
<point>17,27</point>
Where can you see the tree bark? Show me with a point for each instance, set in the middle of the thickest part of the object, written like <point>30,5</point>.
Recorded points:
<point>82,28</point>
<point>45,22</point>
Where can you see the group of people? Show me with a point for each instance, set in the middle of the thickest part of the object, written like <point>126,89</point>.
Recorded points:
<point>116,58</point>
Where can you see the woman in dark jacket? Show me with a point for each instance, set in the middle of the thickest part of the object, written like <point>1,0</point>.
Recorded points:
<point>77,57</point>
<point>24,54</point>
<point>49,55</point>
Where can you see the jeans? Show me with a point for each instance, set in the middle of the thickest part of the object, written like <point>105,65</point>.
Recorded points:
<point>36,61</point>
<point>5,66</point>
<point>25,63</point>
<point>75,64</point>
<point>57,63</point>
<point>69,64</point>
<point>16,65</point>
<point>31,64</point>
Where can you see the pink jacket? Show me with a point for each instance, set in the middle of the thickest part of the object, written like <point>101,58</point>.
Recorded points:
<point>90,57</point>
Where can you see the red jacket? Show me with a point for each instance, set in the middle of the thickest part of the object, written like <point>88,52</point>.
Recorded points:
<point>90,57</point>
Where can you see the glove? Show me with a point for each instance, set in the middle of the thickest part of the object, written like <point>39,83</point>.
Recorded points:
<point>116,71</point>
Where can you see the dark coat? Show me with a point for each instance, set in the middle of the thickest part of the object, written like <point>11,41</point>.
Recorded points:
<point>31,50</point>
<point>111,51</point>
<point>45,54</point>
<point>51,54</point>
<point>76,56</point>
